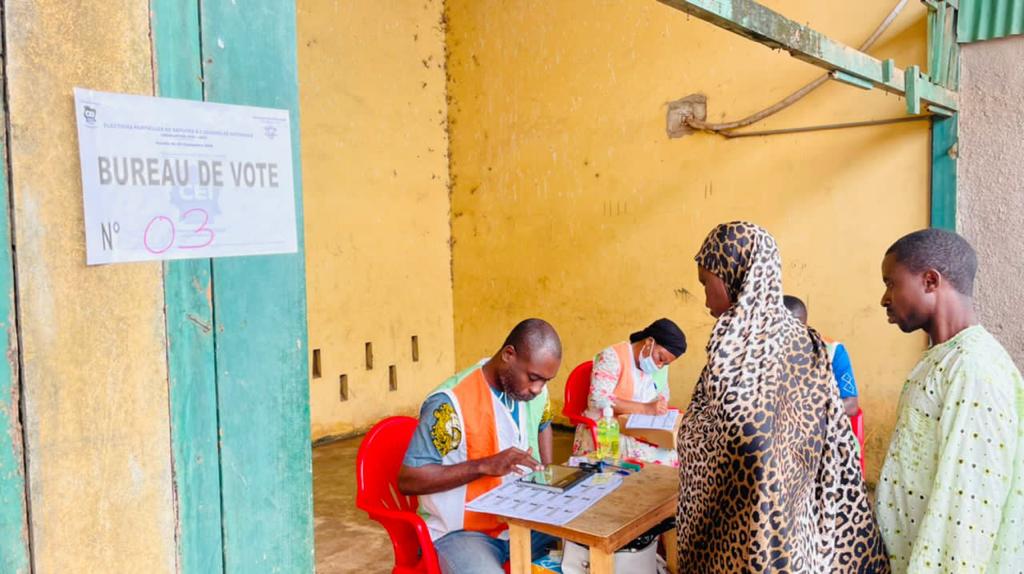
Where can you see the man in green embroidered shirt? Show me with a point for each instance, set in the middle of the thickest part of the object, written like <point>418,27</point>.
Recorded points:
<point>951,495</point>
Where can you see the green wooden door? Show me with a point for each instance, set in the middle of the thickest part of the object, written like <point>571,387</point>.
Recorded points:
<point>236,327</point>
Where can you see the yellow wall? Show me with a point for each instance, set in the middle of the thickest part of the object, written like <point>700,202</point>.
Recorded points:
<point>94,371</point>
<point>571,204</point>
<point>375,170</point>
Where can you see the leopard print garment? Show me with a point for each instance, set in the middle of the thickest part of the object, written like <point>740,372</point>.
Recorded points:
<point>769,475</point>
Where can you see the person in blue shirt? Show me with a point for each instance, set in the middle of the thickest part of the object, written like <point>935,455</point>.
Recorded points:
<point>842,369</point>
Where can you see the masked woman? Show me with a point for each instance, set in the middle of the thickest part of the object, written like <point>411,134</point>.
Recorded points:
<point>632,378</point>
<point>769,475</point>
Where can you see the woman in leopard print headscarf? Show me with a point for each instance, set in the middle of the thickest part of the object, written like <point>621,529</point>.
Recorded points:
<point>769,475</point>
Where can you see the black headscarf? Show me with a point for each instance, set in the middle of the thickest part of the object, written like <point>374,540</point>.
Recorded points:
<point>665,333</point>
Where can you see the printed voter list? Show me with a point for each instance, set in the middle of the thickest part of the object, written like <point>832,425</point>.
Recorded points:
<point>174,179</point>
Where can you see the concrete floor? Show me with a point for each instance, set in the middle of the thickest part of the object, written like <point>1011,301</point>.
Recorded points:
<point>346,540</point>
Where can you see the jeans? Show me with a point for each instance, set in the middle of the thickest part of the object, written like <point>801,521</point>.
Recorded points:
<point>469,552</point>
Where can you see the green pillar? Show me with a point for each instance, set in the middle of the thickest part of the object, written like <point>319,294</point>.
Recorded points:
<point>192,381</point>
<point>259,308</point>
<point>14,545</point>
<point>236,327</point>
<point>943,172</point>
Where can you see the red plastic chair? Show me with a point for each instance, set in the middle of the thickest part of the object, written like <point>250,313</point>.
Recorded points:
<point>377,464</point>
<point>577,390</point>
<point>857,421</point>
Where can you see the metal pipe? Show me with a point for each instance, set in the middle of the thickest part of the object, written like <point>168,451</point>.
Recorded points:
<point>723,127</point>
<point>825,127</point>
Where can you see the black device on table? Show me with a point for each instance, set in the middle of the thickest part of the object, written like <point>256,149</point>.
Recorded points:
<point>556,477</point>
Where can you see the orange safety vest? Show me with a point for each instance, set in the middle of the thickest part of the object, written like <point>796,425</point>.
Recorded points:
<point>483,427</point>
<point>624,388</point>
<point>476,401</point>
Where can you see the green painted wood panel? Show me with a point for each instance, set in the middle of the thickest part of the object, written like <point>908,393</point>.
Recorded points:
<point>192,391</point>
<point>943,173</point>
<point>249,57</point>
<point>14,543</point>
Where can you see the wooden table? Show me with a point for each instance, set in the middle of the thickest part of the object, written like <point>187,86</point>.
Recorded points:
<point>642,501</point>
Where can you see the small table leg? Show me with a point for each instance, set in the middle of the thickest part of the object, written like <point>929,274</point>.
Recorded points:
<point>601,562</point>
<point>671,551</point>
<point>520,549</point>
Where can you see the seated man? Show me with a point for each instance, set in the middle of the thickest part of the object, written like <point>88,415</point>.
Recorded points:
<point>488,424</point>
<point>842,370</point>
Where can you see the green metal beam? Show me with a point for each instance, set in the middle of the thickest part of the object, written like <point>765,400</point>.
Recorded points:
<point>756,22</point>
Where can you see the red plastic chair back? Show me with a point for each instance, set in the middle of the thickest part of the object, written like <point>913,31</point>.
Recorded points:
<point>377,463</point>
<point>577,390</point>
<point>857,421</point>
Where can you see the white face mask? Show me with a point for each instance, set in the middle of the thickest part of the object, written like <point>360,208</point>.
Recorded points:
<point>647,363</point>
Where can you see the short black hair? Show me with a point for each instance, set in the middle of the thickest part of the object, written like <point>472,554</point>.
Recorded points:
<point>532,335</point>
<point>944,251</point>
<point>794,304</point>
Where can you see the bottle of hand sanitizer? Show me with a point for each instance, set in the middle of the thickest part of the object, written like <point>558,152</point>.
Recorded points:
<point>608,436</point>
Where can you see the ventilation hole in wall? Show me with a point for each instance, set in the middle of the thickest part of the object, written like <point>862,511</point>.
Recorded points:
<point>369,356</point>
<point>392,378</point>
<point>343,387</point>
<point>415,349</point>
<point>316,364</point>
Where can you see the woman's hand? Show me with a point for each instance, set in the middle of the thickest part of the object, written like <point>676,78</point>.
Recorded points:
<point>657,407</point>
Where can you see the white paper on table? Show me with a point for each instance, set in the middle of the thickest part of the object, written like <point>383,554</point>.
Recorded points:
<point>516,500</point>
<point>666,421</point>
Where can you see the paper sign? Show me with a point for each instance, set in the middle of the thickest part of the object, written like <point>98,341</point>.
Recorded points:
<point>176,179</point>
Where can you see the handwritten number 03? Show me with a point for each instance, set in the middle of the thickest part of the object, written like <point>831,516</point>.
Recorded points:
<point>199,231</point>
